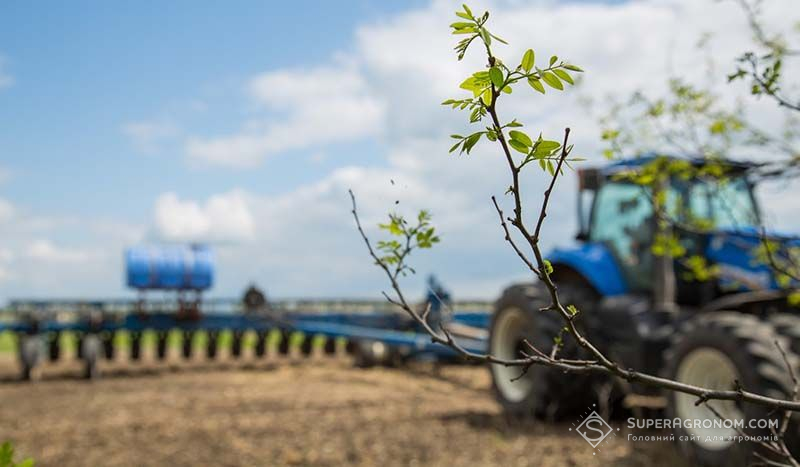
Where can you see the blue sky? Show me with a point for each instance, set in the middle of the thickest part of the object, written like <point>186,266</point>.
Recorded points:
<point>83,70</point>
<point>243,124</point>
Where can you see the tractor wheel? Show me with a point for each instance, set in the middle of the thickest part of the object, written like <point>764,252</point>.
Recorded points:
<point>788,326</point>
<point>714,350</point>
<point>541,391</point>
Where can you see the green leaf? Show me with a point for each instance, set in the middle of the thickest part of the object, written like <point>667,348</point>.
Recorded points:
<point>518,146</point>
<point>552,80</point>
<point>485,36</point>
<point>521,137</point>
<point>471,141</point>
<point>536,84</point>
<point>553,60</point>
<point>498,39</point>
<point>548,267</point>
<point>546,146</point>
<point>468,84</point>
<point>573,68</point>
<point>487,97</point>
<point>463,15</point>
<point>496,75</point>
<point>564,75</point>
<point>461,25</point>
<point>466,9</point>
<point>527,60</point>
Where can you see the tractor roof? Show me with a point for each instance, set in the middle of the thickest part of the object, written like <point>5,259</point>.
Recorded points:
<point>592,177</point>
<point>633,163</point>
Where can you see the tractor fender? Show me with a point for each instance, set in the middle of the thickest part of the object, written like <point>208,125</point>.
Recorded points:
<point>595,263</point>
<point>742,299</point>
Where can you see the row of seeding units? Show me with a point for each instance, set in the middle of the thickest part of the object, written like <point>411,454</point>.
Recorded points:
<point>180,321</point>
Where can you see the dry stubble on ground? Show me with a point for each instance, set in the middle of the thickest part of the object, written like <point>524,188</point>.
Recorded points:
<point>317,412</point>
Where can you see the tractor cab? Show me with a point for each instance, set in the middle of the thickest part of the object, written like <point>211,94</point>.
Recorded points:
<point>617,229</point>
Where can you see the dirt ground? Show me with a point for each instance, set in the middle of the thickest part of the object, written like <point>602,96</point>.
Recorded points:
<point>285,412</point>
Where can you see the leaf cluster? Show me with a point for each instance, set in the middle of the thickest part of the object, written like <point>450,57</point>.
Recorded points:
<point>405,237</point>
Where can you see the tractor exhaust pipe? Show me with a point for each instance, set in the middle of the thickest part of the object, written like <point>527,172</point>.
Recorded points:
<point>664,286</point>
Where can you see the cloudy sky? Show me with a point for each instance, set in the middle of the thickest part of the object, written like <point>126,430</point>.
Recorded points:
<point>244,126</point>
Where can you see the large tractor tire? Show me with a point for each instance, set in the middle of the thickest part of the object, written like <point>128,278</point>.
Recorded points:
<point>788,326</point>
<point>542,391</point>
<point>714,350</point>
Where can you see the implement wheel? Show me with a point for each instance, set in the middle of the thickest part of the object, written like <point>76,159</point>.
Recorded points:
<point>186,348</point>
<point>330,346</point>
<point>307,346</point>
<point>161,344</point>
<point>285,344</point>
<point>261,343</point>
<point>54,346</point>
<point>108,345</point>
<point>90,350</point>
<point>211,345</point>
<point>136,346</point>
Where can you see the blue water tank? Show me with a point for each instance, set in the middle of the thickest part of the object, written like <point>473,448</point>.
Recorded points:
<point>169,267</point>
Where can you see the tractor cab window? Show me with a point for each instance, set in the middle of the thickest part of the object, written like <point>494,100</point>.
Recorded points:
<point>623,220</point>
<point>727,204</point>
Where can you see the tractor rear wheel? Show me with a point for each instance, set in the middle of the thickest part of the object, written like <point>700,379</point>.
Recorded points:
<point>788,326</point>
<point>541,391</point>
<point>715,350</point>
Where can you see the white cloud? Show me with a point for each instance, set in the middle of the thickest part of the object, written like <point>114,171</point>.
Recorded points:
<point>44,256</point>
<point>318,106</point>
<point>46,251</point>
<point>222,218</point>
<point>149,136</point>
<point>6,258</point>
<point>6,211</point>
<point>6,80</point>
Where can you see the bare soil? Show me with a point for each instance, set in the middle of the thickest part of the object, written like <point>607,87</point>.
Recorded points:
<point>285,412</point>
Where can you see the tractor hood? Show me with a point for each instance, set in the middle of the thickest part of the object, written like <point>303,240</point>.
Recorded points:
<point>735,252</point>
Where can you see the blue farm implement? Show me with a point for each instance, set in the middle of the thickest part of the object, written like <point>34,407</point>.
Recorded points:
<point>92,330</point>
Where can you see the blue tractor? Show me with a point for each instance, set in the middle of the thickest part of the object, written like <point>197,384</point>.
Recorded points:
<point>648,313</point>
